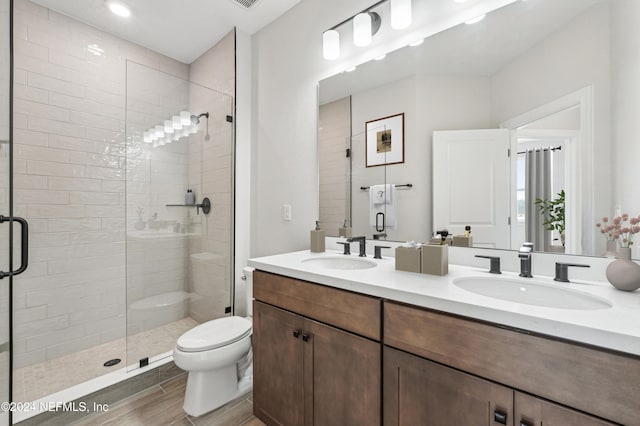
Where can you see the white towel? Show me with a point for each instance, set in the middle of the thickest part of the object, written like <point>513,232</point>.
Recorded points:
<point>383,203</point>
<point>381,194</point>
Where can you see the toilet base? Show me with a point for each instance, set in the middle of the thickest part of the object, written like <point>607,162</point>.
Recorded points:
<point>208,390</point>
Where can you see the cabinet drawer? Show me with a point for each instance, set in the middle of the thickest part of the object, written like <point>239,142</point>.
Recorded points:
<point>350,311</point>
<point>599,382</point>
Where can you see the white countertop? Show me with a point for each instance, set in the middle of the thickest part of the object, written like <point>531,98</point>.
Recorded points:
<point>616,328</point>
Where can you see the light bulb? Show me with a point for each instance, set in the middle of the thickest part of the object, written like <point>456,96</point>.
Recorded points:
<point>146,137</point>
<point>185,118</point>
<point>175,121</point>
<point>362,29</point>
<point>331,45</point>
<point>400,14</point>
<point>168,126</point>
<point>159,131</point>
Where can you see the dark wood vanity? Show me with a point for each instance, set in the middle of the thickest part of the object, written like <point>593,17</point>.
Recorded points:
<point>326,356</point>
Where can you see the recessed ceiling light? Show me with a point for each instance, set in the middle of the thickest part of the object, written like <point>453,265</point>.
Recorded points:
<point>475,20</point>
<point>417,43</point>
<point>119,8</point>
<point>381,57</point>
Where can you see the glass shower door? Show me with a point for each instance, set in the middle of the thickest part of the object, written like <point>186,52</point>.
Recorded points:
<point>5,243</point>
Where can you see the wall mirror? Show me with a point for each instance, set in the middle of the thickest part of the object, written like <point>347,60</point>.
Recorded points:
<point>556,77</point>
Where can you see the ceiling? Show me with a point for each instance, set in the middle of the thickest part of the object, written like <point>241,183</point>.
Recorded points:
<point>182,30</point>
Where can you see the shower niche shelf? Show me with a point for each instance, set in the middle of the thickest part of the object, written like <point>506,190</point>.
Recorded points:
<point>205,206</point>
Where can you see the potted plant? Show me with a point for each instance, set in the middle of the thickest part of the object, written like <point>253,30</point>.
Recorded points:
<point>553,211</point>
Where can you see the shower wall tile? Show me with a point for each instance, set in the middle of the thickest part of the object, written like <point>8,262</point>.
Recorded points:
<point>69,131</point>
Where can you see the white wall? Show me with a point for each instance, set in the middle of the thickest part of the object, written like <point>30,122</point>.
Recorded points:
<point>625,61</point>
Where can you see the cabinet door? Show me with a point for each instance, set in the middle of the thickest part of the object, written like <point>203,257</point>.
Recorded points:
<point>531,411</point>
<point>278,366</point>
<point>421,392</point>
<point>342,377</point>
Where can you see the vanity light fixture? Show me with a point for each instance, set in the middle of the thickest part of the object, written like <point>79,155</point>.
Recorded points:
<point>400,14</point>
<point>118,8</point>
<point>475,20</point>
<point>365,25</point>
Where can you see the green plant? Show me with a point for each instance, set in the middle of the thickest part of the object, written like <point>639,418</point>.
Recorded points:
<point>553,211</point>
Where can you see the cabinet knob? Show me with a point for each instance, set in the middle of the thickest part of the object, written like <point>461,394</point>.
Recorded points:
<point>525,423</point>
<point>499,417</point>
<point>305,337</point>
<point>296,333</point>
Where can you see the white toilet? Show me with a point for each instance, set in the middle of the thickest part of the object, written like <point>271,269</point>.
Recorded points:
<point>217,354</point>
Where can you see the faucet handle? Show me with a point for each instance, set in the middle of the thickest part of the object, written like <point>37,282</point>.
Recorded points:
<point>562,271</point>
<point>377,251</point>
<point>494,267</point>
<point>347,247</point>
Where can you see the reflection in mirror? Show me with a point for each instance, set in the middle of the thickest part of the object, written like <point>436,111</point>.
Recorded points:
<point>535,75</point>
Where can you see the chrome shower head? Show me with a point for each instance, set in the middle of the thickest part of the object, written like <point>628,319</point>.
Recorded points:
<point>195,119</point>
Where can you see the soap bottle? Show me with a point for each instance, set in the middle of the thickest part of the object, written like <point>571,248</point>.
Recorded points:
<point>317,239</point>
<point>467,231</point>
<point>345,230</point>
<point>190,197</point>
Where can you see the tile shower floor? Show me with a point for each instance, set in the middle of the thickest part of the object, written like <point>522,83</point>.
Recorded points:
<point>39,380</point>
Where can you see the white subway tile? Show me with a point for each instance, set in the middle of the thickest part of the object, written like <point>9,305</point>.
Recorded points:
<point>47,168</point>
<point>56,127</point>
<point>55,212</point>
<point>55,85</point>
<point>93,198</point>
<point>30,182</point>
<point>39,196</point>
<point>27,137</point>
<point>29,152</point>
<point>22,91</point>
<point>78,224</point>
<point>74,184</point>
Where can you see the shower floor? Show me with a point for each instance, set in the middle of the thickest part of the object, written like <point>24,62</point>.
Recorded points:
<point>39,380</point>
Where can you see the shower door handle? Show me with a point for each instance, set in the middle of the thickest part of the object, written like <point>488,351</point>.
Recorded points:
<point>24,249</point>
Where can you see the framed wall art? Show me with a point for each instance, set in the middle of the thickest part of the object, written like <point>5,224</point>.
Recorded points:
<point>385,141</point>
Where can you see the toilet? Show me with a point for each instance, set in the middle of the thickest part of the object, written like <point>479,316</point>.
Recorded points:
<point>217,355</point>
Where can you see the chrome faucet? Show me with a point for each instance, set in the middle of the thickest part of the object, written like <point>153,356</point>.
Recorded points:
<point>525,259</point>
<point>363,244</point>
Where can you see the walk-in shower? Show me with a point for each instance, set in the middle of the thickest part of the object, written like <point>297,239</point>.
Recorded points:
<point>120,263</point>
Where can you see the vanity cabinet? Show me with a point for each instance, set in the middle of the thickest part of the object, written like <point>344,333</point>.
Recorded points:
<point>579,379</point>
<point>421,392</point>
<point>532,411</point>
<point>312,363</point>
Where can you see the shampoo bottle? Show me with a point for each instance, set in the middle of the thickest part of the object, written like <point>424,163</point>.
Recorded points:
<point>190,198</point>
<point>317,239</point>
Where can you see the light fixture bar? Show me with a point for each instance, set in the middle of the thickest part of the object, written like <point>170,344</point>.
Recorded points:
<point>373,6</point>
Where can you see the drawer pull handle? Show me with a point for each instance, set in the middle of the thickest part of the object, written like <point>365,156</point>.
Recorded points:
<point>305,337</point>
<point>499,417</point>
<point>296,333</point>
<point>525,423</point>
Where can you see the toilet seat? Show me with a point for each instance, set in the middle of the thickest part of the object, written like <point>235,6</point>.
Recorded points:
<point>214,334</point>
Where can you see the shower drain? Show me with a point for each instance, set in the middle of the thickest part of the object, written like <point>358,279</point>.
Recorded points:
<point>112,362</point>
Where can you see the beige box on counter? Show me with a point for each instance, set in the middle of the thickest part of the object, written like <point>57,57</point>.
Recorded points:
<point>438,240</point>
<point>462,241</point>
<point>408,259</point>
<point>435,259</point>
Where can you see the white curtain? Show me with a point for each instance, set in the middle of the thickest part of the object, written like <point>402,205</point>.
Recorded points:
<point>537,185</point>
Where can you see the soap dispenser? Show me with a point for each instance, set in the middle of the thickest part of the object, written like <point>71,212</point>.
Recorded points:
<point>317,239</point>
<point>190,197</point>
<point>345,230</point>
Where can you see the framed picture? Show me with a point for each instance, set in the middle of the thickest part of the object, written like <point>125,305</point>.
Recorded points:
<point>385,141</point>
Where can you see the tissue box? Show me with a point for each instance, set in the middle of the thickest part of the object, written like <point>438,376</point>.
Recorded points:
<point>462,241</point>
<point>408,259</point>
<point>435,259</point>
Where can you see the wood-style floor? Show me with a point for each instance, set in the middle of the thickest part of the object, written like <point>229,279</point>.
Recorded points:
<point>162,405</point>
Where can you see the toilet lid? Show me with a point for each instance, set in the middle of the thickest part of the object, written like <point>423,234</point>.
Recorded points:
<point>214,334</point>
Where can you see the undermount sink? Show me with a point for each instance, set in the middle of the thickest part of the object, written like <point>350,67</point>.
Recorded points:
<point>531,293</point>
<point>340,262</point>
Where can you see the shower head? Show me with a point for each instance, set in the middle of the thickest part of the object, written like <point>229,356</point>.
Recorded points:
<point>195,119</point>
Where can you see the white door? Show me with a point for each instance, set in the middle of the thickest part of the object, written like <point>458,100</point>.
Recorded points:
<point>471,184</point>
